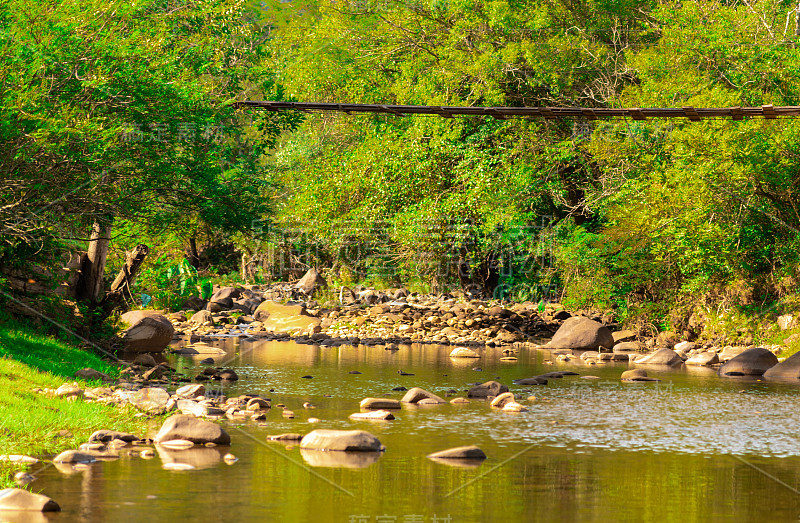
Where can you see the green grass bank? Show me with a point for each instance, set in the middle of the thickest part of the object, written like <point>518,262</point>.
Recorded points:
<point>38,425</point>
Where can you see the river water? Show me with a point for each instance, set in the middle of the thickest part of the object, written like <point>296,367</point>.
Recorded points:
<point>694,447</point>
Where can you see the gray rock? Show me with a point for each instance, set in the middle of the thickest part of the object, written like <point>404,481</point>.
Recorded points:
<point>752,362</point>
<point>787,369</point>
<point>149,331</point>
<point>660,357</point>
<point>74,456</point>
<point>416,394</point>
<point>201,317</point>
<point>108,435</point>
<point>150,399</point>
<point>15,499</point>
<point>703,358</point>
<point>626,347</point>
<point>484,390</point>
<point>91,374</point>
<point>310,282</point>
<point>191,391</point>
<point>729,352</point>
<point>467,452</point>
<point>343,440</point>
<point>192,408</point>
<point>181,426</point>
<point>579,332</point>
<point>225,293</point>
<point>637,375</point>
<point>373,415</point>
<point>379,403</point>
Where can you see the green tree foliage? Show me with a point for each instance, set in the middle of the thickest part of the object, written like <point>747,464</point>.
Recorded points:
<point>120,110</point>
<point>427,178</point>
<point>644,212</point>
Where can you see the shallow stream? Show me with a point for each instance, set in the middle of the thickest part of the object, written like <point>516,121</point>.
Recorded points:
<point>694,447</point>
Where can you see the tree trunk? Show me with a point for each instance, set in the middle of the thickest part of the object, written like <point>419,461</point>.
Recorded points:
<point>194,256</point>
<point>90,287</point>
<point>127,275</point>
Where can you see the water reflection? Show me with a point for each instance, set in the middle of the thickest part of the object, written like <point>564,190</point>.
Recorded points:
<point>339,459</point>
<point>197,456</point>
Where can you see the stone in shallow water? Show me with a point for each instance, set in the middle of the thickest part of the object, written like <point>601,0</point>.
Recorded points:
<point>344,440</point>
<point>484,390</point>
<point>463,352</point>
<point>703,358</point>
<point>74,456</point>
<point>752,362</point>
<point>375,415</point>
<point>18,499</point>
<point>466,452</point>
<point>291,436</point>
<point>380,403</point>
<point>660,357</point>
<point>501,400</point>
<point>181,426</point>
<point>787,369</point>
<point>417,394</point>
<point>637,375</point>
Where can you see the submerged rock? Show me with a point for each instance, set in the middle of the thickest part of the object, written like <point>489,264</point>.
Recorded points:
<point>466,452</point>
<point>484,390</point>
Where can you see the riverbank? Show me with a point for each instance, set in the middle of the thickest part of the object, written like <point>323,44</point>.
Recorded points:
<point>38,425</point>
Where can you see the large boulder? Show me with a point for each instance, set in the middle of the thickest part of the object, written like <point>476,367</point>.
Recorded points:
<point>484,390</point>
<point>19,499</point>
<point>182,426</point>
<point>280,317</point>
<point>660,357</point>
<point>226,293</point>
<point>310,282</point>
<point>579,332</point>
<point>344,440</point>
<point>752,362</point>
<point>788,368</point>
<point>149,331</point>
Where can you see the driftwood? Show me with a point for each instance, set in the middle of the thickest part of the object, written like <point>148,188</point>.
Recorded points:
<point>127,275</point>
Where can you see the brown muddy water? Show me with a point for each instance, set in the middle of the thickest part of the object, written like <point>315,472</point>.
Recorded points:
<point>694,447</point>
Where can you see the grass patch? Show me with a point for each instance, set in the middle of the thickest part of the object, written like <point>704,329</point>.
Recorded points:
<point>47,353</point>
<point>30,422</point>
